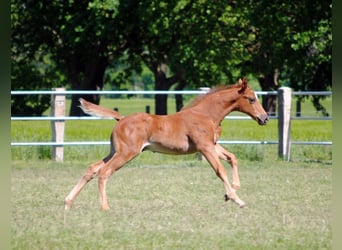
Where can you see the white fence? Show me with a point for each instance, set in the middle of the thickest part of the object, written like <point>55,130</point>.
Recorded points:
<point>58,118</point>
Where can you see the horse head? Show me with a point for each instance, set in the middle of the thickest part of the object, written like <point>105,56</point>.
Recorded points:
<point>248,103</point>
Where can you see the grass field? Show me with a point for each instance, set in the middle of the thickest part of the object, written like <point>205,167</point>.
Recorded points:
<point>173,202</point>
<point>176,206</point>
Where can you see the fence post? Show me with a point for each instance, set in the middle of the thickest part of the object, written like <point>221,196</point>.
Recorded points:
<point>58,110</point>
<point>147,109</point>
<point>284,122</point>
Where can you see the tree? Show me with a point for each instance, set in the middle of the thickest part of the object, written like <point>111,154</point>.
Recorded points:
<point>314,44</point>
<point>196,43</point>
<point>293,44</point>
<point>183,42</point>
<point>76,35</point>
<point>150,40</point>
<point>35,75</point>
<point>30,70</point>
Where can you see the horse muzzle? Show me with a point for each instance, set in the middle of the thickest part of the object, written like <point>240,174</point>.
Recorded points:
<point>262,119</point>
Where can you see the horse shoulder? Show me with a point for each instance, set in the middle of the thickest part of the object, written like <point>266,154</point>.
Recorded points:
<point>200,126</point>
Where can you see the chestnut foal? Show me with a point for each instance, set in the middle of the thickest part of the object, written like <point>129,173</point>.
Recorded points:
<point>196,128</point>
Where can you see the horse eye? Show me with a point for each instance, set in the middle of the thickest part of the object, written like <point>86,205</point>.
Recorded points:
<point>251,100</point>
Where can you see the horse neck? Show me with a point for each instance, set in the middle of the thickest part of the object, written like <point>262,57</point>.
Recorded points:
<point>217,105</point>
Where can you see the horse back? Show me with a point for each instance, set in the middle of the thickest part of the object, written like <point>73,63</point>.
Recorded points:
<point>173,134</point>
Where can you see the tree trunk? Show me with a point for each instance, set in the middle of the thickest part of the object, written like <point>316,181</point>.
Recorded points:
<point>321,80</point>
<point>86,76</point>
<point>269,82</point>
<point>162,82</point>
<point>179,97</point>
<point>160,100</point>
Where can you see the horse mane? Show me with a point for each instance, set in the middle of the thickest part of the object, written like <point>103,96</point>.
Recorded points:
<point>213,90</point>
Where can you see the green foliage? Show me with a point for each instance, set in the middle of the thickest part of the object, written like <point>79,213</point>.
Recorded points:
<point>40,73</point>
<point>294,37</point>
<point>290,35</point>
<point>80,37</point>
<point>202,42</point>
<point>202,39</point>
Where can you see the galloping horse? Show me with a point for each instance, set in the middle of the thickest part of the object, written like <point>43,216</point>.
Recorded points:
<point>196,128</point>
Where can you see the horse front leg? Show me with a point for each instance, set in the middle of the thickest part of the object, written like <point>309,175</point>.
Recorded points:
<point>212,157</point>
<point>231,159</point>
<point>90,173</point>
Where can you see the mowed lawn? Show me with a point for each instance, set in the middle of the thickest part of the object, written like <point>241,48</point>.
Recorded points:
<point>177,206</point>
<point>174,202</point>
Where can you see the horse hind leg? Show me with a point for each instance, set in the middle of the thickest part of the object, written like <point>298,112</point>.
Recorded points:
<point>113,165</point>
<point>89,174</point>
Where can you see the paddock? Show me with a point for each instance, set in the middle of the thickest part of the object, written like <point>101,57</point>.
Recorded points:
<point>185,211</point>
<point>173,206</point>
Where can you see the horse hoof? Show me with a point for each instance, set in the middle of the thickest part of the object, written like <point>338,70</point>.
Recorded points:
<point>105,208</point>
<point>67,204</point>
<point>226,197</point>
<point>242,205</point>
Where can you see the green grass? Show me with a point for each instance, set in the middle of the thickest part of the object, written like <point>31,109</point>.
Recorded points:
<point>176,206</point>
<point>232,130</point>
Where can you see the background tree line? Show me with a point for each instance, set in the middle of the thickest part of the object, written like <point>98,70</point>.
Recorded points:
<point>182,43</point>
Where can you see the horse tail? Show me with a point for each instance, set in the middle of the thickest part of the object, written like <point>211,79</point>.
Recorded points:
<point>96,110</point>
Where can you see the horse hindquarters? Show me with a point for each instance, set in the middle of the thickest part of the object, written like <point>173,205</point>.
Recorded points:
<point>128,139</point>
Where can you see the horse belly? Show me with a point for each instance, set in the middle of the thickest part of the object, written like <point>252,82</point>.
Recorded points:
<point>169,148</point>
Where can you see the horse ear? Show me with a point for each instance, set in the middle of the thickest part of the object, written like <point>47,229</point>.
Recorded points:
<point>243,83</point>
